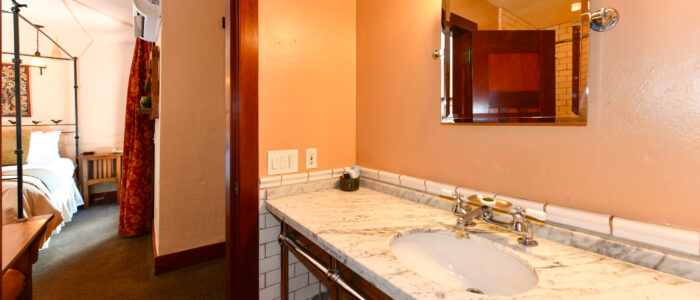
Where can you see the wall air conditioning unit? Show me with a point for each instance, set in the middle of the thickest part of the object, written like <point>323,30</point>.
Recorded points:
<point>146,19</point>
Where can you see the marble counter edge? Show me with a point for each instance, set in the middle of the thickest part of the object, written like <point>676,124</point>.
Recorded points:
<point>378,281</point>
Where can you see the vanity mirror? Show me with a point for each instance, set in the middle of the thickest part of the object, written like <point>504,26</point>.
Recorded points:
<point>514,61</point>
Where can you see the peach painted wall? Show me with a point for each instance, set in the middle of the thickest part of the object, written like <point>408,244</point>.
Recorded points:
<point>638,157</point>
<point>307,80</point>
<point>190,134</point>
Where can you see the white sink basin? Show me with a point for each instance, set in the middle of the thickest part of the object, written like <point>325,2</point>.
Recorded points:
<point>463,264</point>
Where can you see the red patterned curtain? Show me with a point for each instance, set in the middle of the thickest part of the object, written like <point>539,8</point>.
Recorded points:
<point>136,197</point>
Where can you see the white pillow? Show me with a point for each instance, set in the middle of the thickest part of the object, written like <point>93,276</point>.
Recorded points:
<point>35,141</point>
<point>49,145</point>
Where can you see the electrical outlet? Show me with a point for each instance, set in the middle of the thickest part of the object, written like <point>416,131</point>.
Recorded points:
<point>311,158</point>
<point>282,161</point>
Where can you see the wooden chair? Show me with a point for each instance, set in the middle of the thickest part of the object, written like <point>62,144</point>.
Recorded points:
<point>99,168</point>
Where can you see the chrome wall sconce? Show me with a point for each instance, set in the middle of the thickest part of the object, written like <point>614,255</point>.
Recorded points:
<point>604,19</point>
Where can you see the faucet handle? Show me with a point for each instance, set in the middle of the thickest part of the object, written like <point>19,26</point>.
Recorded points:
<point>523,227</point>
<point>520,212</point>
<point>459,207</point>
<point>454,193</point>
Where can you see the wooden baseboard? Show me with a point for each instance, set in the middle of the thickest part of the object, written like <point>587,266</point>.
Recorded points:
<point>186,258</point>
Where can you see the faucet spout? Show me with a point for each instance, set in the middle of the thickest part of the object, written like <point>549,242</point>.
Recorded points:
<point>478,213</point>
<point>518,225</point>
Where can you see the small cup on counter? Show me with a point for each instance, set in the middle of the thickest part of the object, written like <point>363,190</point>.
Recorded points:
<point>349,184</point>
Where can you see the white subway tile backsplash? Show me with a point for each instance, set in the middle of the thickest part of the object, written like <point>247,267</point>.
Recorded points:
<point>307,292</point>
<point>685,241</point>
<point>261,201</point>
<point>293,258</point>
<point>273,277</point>
<point>369,173</point>
<point>577,218</point>
<point>320,175</point>
<point>436,188</point>
<point>466,192</point>
<point>272,248</point>
<point>295,178</point>
<point>269,250</point>
<point>269,264</point>
<point>300,269</point>
<point>527,204</point>
<point>272,181</point>
<point>261,221</point>
<point>261,207</point>
<point>270,292</point>
<point>312,278</point>
<point>298,282</point>
<point>337,172</point>
<point>390,178</point>
<point>412,183</point>
<point>271,221</point>
<point>269,234</point>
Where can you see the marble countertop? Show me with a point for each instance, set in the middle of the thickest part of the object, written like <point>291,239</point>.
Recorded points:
<point>358,227</point>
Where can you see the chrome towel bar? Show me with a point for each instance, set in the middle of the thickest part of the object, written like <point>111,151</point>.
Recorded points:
<point>330,274</point>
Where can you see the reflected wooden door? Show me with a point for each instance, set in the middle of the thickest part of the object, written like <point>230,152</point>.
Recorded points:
<point>461,31</point>
<point>513,75</point>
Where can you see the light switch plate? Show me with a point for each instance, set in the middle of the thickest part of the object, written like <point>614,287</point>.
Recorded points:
<point>282,161</point>
<point>311,158</point>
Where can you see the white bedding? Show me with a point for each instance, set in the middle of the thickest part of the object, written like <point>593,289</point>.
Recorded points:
<point>63,202</point>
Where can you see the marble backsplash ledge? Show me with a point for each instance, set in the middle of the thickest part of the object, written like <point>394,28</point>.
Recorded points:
<point>681,264</point>
<point>662,248</point>
<point>684,242</point>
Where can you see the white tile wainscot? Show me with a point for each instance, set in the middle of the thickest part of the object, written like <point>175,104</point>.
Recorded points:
<point>684,241</point>
<point>595,222</point>
<point>466,192</point>
<point>412,183</point>
<point>390,178</point>
<point>369,173</point>
<point>337,172</point>
<point>295,178</point>
<point>320,175</point>
<point>527,204</point>
<point>272,181</point>
<point>305,285</point>
<point>437,188</point>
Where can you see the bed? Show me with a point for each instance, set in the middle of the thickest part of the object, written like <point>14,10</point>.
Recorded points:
<point>49,188</point>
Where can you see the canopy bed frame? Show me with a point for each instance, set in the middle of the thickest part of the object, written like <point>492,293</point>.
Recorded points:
<point>16,16</point>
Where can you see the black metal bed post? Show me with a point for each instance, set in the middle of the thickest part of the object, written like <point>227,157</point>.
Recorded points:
<point>18,108</point>
<point>77,134</point>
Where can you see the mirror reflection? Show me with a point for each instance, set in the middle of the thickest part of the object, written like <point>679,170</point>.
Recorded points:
<point>514,61</point>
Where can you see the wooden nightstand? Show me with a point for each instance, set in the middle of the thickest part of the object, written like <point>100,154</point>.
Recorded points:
<point>99,168</point>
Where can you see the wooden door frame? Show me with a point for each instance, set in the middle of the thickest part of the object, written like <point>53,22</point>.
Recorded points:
<point>462,98</point>
<point>241,149</point>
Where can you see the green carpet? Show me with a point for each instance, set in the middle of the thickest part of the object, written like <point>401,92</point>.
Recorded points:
<point>88,260</point>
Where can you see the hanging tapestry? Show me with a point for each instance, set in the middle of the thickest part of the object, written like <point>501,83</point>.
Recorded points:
<point>8,90</point>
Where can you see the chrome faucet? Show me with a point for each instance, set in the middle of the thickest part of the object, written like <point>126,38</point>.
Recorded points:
<point>518,225</point>
<point>463,211</point>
